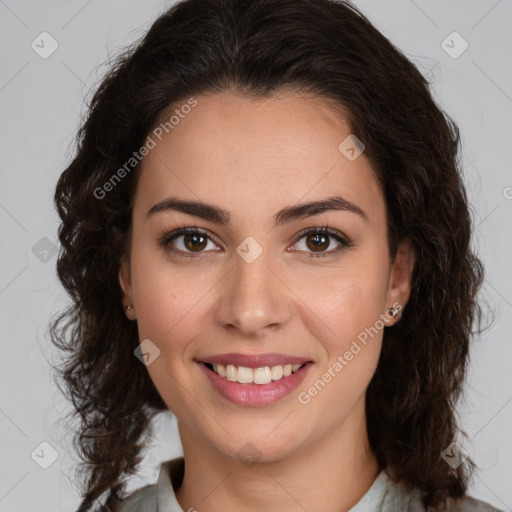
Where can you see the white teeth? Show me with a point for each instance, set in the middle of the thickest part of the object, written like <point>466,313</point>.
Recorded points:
<point>231,372</point>
<point>245,375</point>
<point>276,372</point>
<point>263,375</point>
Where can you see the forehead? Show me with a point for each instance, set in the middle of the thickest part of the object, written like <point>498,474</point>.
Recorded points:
<point>256,155</point>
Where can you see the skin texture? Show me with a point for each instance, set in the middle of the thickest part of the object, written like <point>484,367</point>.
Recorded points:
<point>254,158</point>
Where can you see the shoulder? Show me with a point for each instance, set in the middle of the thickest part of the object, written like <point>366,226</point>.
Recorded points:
<point>142,500</point>
<point>399,497</point>
<point>467,504</point>
<point>159,496</point>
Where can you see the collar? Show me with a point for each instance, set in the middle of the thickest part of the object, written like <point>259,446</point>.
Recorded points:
<point>169,479</point>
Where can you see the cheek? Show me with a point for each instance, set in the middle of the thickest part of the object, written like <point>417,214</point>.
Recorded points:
<point>170,305</point>
<point>355,339</point>
<point>351,298</point>
<point>352,303</point>
<point>353,308</point>
<point>168,301</point>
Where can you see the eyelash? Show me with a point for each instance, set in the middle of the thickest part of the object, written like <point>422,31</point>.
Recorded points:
<point>167,237</point>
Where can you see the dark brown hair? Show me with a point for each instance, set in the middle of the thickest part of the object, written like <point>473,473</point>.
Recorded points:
<point>256,48</point>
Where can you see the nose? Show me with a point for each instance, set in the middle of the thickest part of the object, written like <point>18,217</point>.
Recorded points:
<point>253,298</point>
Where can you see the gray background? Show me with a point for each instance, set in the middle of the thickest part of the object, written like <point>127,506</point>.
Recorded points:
<point>41,101</point>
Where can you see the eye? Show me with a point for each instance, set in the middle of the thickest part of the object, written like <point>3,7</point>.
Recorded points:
<point>187,241</point>
<point>319,239</point>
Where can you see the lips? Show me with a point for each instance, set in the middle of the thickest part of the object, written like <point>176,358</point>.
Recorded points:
<point>253,394</point>
<point>254,379</point>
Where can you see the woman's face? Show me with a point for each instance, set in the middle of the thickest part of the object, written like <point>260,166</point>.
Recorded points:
<point>250,283</point>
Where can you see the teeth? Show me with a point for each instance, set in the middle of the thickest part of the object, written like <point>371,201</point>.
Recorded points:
<point>245,375</point>
<point>231,372</point>
<point>276,372</point>
<point>263,375</point>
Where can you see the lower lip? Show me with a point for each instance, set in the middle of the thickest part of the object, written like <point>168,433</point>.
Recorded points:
<point>256,394</point>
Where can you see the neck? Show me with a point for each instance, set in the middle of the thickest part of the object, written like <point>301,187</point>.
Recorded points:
<point>340,468</point>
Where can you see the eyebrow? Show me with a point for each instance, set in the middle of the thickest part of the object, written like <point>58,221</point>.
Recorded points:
<point>290,213</point>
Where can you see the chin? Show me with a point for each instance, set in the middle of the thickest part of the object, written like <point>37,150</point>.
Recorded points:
<point>257,447</point>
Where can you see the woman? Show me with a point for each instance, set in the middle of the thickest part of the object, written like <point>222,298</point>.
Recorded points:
<point>265,231</point>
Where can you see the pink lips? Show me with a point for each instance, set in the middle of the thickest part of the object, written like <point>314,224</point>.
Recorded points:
<point>254,361</point>
<point>255,394</point>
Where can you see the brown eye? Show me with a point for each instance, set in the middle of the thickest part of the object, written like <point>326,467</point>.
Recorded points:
<point>318,240</point>
<point>195,241</point>
<point>186,241</point>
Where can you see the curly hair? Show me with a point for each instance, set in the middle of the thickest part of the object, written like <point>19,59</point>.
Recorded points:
<point>256,48</point>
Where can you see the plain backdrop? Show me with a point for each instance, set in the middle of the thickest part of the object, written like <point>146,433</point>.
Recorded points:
<point>41,100</point>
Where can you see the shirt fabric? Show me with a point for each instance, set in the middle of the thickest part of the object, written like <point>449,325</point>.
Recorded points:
<point>383,496</point>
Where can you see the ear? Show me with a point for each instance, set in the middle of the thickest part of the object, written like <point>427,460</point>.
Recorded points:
<point>126,285</point>
<point>400,281</point>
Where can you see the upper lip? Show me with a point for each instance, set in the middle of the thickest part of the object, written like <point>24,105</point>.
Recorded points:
<point>254,360</point>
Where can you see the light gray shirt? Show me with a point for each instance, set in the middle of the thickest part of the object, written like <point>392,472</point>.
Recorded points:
<point>383,496</point>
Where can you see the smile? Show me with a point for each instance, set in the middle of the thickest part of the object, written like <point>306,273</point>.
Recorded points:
<point>254,386</point>
<point>262,375</point>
